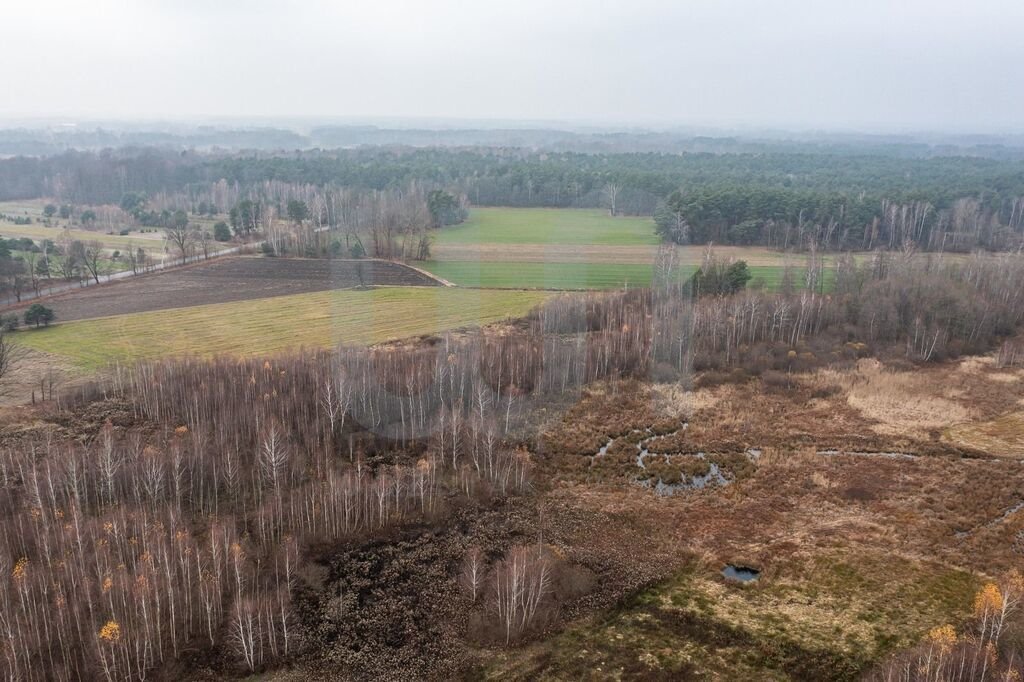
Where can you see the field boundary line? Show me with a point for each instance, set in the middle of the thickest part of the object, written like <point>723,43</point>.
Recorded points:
<point>441,280</point>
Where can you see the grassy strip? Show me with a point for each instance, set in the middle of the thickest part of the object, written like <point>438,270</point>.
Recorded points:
<point>548,226</point>
<point>267,325</point>
<point>518,275</point>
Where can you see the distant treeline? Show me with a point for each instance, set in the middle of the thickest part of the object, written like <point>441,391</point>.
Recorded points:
<point>96,136</point>
<point>779,199</point>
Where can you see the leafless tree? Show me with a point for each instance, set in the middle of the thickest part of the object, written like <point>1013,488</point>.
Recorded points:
<point>473,570</point>
<point>182,238</point>
<point>610,192</point>
<point>31,261</point>
<point>11,354</point>
<point>94,258</point>
<point>12,273</point>
<point>520,583</point>
<point>205,240</point>
<point>666,265</point>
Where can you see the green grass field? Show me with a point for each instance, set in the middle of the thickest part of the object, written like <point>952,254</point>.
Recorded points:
<point>516,275</point>
<point>572,249</point>
<point>548,226</point>
<point>269,325</point>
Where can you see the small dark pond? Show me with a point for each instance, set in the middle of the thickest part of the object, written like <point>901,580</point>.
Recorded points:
<point>740,573</point>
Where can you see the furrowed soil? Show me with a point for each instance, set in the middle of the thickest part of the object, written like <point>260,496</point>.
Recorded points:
<point>229,280</point>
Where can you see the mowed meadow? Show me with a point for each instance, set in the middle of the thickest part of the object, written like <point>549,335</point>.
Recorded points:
<point>549,226</point>
<point>578,276</point>
<point>573,249</point>
<point>319,319</point>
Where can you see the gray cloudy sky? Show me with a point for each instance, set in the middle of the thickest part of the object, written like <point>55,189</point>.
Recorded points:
<point>844,64</point>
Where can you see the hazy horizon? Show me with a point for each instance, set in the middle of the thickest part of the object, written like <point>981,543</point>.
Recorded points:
<point>792,65</point>
<point>304,124</point>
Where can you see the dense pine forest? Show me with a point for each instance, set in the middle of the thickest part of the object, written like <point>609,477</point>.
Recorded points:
<point>779,198</point>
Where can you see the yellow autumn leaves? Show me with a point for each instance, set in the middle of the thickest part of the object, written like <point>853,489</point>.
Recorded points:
<point>20,571</point>
<point>991,600</point>
<point>943,637</point>
<point>111,631</point>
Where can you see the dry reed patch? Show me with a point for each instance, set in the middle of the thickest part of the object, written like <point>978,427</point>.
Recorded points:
<point>945,509</point>
<point>985,366</point>
<point>681,402</point>
<point>975,364</point>
<point>899,403</point>
<point>788,420</point>
<point>797,458</point>
<point>1000,437</point>
<point>796,496</point>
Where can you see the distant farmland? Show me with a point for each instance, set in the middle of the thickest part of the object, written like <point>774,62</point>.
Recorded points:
<point>38,232</point>
<point>572,276</point>
<point>267,325</point>
<point>549,226</point>
<point>123,235</point>
<point>148,237</point>
<point>571,249</point>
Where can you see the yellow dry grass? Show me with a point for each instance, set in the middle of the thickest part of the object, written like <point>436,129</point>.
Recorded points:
<point>900,403</point>
<point>1001,437</point>
<point>680,402</point>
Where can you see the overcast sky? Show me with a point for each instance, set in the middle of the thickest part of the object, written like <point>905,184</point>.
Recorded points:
<point>829,64</point>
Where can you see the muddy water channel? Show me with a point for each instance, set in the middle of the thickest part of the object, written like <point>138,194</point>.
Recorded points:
<point>857,453</point>
<point>666,472</point>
